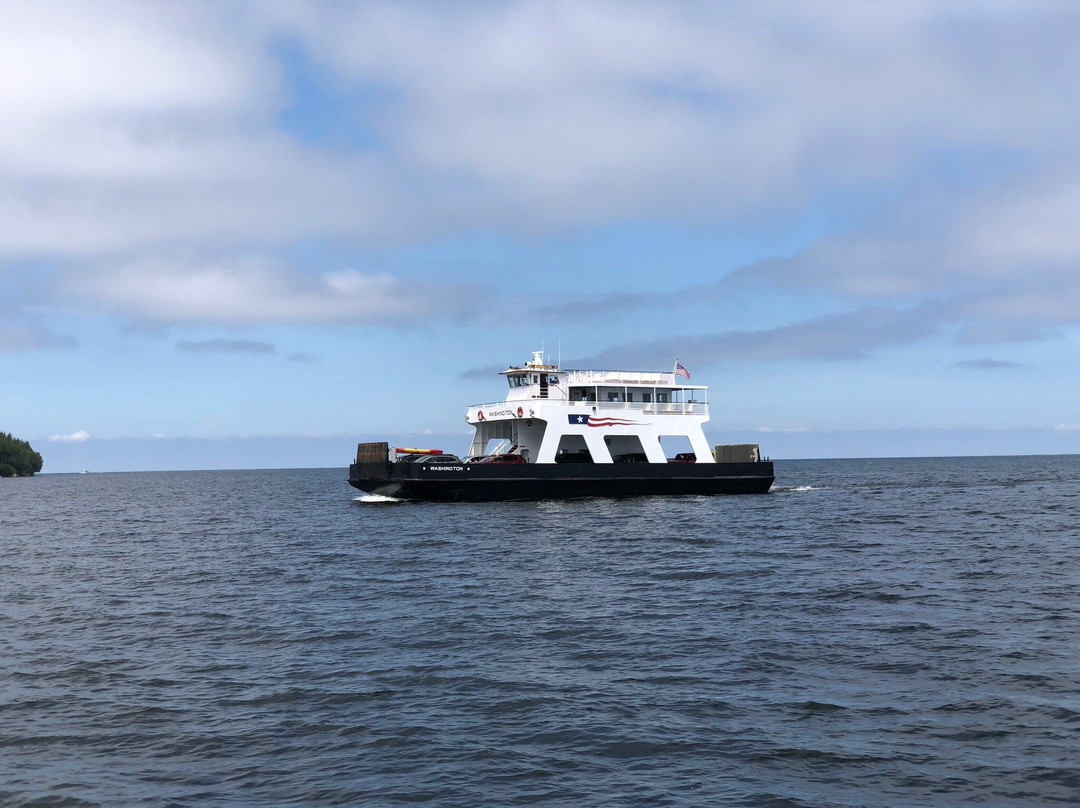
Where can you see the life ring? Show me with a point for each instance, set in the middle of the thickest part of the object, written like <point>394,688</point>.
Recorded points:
<point>480,415</point>
<point>521,411</point>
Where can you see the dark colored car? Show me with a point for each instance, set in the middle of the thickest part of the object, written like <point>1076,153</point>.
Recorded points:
<point>684,457</point>
<point>438,460</point>
<point>632,457</point>
<point>573,457</point>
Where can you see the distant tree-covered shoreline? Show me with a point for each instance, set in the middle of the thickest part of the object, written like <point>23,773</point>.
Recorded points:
<point>17,457</point>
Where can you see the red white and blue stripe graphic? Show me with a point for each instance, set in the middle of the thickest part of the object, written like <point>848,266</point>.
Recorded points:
<point>599,420</point>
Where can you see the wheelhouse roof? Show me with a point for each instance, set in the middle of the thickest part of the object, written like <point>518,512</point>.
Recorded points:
<point>633,378</point>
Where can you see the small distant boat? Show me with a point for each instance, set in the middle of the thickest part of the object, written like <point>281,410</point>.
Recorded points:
<point>573,433</point>
<point>85,471</point>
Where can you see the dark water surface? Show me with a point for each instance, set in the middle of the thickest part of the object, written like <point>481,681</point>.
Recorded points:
<point>874,632</point>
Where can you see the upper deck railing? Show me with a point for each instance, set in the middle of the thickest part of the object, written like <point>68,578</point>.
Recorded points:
<point>636,378</point>
<point>503,409</point>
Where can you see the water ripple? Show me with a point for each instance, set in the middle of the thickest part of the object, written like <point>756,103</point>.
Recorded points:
<point>876,633</point>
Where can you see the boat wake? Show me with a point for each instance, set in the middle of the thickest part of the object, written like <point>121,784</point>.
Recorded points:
<point>796,489</point>
<point>375,499</point>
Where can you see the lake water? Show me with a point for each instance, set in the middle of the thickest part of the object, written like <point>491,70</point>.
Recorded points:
<point>872,633</point>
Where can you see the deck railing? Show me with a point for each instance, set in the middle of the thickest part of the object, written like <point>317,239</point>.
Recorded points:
<point>589,378</point>
<point>646,407</point>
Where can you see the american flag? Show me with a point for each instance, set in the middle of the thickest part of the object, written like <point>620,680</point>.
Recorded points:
<point>599,420</point>
<point>681,371</point>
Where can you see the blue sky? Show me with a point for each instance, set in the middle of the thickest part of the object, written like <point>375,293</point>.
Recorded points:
<point>251,234</point>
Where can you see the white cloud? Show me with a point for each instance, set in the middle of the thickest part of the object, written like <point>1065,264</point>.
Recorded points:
<point>22,336</point>
<point>139,129</point>
<point>986,364</point>
<point>220,345</point>
<point>65,60</point>
<point>845,336</point>
<point>256,290</point>
<point>133,123</point>
<point>571,112</point>
<point>1034,225</point>
<point>75,437</point>
<point>1003,262</point>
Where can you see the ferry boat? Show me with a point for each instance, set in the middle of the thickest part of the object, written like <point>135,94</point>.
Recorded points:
<point>572,433</point>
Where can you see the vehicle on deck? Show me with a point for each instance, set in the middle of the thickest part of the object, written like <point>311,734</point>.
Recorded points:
<point>501,458</point>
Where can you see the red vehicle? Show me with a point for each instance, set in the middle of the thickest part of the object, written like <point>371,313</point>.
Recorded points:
<point>502,458</point>
<point>684,457</point>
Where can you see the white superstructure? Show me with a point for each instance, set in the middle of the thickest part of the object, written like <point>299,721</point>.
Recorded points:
<point>550,413</point>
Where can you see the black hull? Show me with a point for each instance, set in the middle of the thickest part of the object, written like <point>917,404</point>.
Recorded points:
<point>489,482</point>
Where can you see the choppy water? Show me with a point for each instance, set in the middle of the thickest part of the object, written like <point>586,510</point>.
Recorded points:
<point>874,633</point>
